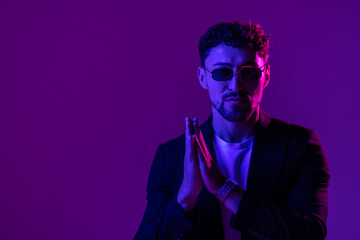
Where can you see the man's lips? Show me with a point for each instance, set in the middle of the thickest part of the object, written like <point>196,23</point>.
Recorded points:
<point>240,99</point>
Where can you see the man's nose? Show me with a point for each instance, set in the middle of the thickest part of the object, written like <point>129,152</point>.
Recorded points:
<point>236,83</point>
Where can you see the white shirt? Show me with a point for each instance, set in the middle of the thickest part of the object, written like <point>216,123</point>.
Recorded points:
<point>233,161</point>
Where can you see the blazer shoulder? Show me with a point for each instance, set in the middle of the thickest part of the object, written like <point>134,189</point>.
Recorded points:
<point>174,142</point>
<point>300,138</point>
<point>174,148</point>
<point>294,129</point>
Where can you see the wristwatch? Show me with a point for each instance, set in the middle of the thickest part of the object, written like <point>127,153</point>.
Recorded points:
<point>225,189</point>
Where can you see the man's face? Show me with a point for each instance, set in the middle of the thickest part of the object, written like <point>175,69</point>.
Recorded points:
<point>235,99</point>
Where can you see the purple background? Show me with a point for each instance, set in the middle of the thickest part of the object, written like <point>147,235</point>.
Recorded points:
<point>89,89</point>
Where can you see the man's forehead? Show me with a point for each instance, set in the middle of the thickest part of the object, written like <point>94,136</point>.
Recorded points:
<point>227,63</point>
<point>227,55</point>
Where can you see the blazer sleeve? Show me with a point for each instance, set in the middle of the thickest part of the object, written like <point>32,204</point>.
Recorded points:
<point>163,217</point>
<point>305,215</point>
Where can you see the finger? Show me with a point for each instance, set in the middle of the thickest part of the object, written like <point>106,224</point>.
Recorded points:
<point>192,133</point>
<point>205,154</point>
<point>195,126</point>
<point>201,143</point>
<point>202,163</point>
<point>199,147</point>
<point>190,145</point>
<point>188,134</point>
<point>200,154</point>
<point>203,146</point>
<point>187,121</point>
<point>196,132</point>
<point>191,127</point>
<point>199,137</point>
<point>195,136</point>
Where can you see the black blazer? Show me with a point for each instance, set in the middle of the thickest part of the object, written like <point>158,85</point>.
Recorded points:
<point>285,197</point>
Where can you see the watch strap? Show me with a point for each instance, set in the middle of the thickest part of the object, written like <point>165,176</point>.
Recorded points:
<point>225,190</point>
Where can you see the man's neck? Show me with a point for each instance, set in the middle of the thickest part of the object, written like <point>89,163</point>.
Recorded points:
<point>234,131</point>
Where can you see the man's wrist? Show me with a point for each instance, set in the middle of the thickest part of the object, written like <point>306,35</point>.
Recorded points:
<point>225,190</point>
<point>232,202</point>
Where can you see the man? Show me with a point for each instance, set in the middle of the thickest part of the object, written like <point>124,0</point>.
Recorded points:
<point>265,178</point>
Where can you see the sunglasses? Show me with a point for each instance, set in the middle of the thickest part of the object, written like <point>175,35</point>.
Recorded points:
<point>247,73</point>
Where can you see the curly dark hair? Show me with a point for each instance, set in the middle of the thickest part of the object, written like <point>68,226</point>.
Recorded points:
<point>235,34</point>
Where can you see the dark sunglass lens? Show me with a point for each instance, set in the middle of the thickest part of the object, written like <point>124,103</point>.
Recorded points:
<point>222,74</point>
<point>250,74</point>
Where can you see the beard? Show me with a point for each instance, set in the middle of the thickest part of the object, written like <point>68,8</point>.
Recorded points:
<point>234,113</point>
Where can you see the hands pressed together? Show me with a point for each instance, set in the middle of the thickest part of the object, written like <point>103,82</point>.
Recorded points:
<point>196,172</point>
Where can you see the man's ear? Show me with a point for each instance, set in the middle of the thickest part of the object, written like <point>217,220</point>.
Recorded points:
<point>201,77</point>
<point>267,75</point>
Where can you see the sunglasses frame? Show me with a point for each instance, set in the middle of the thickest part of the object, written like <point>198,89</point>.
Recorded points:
<point>235,73</point>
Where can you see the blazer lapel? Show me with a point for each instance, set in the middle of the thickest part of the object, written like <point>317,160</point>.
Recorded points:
<point>267,156</point>
<point>265,165</point>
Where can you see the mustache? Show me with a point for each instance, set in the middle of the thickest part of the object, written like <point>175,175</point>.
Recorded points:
<point>235,95</point>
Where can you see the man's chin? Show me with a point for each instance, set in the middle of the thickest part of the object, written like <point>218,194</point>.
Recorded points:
<point>234,113</point>
<point>238,117</point>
